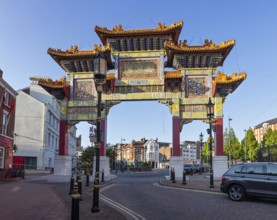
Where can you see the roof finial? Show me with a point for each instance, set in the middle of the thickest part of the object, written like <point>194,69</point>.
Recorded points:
<point>161,26</point>
<point>117,28</point>
<point>73,49</point>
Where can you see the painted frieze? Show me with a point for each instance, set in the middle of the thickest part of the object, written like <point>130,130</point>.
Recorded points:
<point>84,89</point>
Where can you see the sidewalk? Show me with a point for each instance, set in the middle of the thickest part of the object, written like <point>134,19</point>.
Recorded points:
<point>34,198</point>
<point>196,181</point>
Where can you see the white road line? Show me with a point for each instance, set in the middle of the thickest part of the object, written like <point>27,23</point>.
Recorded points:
<point>118,206</point>
<point>186,189</point>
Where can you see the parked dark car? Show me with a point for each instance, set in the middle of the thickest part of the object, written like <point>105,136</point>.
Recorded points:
<point>251,179</point>
<point>189,168</point>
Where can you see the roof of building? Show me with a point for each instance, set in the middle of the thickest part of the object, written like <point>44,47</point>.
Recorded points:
<point>117,32</point>
<point>6,85</point>
<point>222,78</point>
<point>224,85</point>
<point>207,55</point>
<point>269,122</point>
<point>75,60</point>
<point>58,84</point>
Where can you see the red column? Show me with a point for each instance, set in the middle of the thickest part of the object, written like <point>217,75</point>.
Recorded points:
<point>103,127</point>
<point>219,137</point>
<point>63,147</point>
<point>176,136</point>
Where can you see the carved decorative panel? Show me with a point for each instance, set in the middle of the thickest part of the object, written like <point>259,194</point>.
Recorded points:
<point>84,89</point>
<point>138,68</point>
<point>82,110</point>
<point>196,86</point>
<point>193,108</point>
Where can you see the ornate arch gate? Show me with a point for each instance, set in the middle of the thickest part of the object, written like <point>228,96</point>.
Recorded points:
<point>137,62</point>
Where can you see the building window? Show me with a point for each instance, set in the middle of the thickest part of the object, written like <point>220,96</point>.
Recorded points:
<point>56,143</point>
<point>2,157</point>
<point>53,145</point>
<point>49,139</point>
<point>5,123</point>
<point>6,98</point>
<point>30,163</point>
<point>50,118</point>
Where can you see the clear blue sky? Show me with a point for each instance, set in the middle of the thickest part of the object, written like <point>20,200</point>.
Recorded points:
<point>28,28</point>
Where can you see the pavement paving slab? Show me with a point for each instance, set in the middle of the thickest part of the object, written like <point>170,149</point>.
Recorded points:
<point>35,198</point>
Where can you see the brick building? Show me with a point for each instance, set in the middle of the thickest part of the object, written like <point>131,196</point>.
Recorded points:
<point>260,129</point>
<point>7,119</point>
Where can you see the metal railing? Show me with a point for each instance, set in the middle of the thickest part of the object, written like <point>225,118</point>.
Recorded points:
<point>267,154</point>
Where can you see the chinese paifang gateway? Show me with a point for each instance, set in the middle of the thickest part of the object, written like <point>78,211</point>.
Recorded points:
<point>136,60</point>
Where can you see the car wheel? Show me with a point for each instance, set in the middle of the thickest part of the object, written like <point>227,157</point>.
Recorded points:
<point>236,193</point>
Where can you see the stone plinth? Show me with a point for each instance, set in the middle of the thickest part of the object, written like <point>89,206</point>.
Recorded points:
<point>178,164</point>
<point>220,166</point>
<point>104,164</point>
<point>62,169</point>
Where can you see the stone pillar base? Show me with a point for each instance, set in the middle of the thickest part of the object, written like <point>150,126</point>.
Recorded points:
<point>62,169</point>
<point>104,164</point>
<point>177,163</point>
<point>220,166</point>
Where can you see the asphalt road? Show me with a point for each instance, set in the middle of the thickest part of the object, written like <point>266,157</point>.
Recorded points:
<point>138,197</point>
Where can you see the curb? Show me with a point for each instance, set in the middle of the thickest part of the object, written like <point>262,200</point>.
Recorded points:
<point>187,187</point>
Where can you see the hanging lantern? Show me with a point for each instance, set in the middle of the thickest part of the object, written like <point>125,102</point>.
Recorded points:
<point>100,66</point>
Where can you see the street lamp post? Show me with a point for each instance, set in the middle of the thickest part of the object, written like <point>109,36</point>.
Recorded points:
<point>229,140</point>
<point>201,142</point>
<point>100,70</point>
<point>210,116</point>
<point>245,145</point>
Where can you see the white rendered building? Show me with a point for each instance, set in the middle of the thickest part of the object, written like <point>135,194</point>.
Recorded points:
<point>152,153</point>
<point>189,151</point>
<point>72,143</point>
<point>36,133</point>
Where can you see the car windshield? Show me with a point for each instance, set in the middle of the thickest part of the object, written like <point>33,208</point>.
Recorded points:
<point>187,165</point>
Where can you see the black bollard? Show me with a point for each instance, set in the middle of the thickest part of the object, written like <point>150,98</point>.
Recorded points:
<point>102,179</point>
<point>71,184</point>
<point>173,176</point>
<point>23,173</point>
<point>184,178</point>
<point>80,186</point>
<point>75,203</point>
<point>87,183</point>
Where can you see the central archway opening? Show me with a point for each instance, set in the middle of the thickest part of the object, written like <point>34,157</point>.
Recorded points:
<point>134,120</point>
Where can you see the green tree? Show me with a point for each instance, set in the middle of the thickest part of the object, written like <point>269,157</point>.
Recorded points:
<point>249,146</point>
<point>269,138</point>
<point>205,150</point>
<point>87,156</point>
<point>232,147</point>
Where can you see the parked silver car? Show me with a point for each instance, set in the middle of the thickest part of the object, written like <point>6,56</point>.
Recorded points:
<point>250,179</point>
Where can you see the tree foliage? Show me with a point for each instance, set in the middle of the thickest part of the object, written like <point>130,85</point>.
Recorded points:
<point>249,146</point>
<point>206,151</point>
<point>88,154</point>
<point>269,138</point>
<point>232,147</point>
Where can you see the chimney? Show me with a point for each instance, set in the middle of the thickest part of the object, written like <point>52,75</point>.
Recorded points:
<point>1,73</point>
